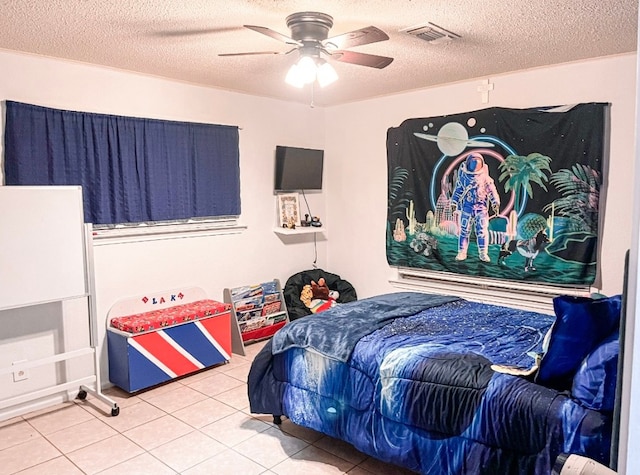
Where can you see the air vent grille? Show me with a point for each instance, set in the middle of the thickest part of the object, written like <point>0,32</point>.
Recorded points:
<point>431,33</point>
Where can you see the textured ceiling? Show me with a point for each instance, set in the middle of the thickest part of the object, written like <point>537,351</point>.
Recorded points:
<point>182,39</point>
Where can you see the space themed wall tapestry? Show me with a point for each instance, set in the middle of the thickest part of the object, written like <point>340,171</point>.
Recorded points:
<point>511,194</point>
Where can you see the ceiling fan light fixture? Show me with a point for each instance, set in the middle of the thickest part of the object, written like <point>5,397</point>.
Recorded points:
<point>308,68</point>
<point>326,74</point>
<point>294,77</point>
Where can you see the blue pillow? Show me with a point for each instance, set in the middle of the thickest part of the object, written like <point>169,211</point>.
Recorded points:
<point>581,324</point>
<point>594,385</point>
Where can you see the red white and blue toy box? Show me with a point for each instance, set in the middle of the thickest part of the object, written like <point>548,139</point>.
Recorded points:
<point>158,337</point>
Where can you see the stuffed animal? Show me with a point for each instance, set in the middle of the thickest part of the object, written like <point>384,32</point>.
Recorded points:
<point>306,295</point>
<point>320,290</point>
<point>317,297</point>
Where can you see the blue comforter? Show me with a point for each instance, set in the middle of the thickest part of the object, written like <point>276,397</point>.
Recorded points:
<point>336,337</point>
<point>414,386</point>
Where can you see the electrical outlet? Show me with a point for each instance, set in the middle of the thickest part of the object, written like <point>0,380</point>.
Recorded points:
<point>21,374</point>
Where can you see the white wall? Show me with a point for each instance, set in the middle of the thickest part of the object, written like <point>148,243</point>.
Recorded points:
<point>212,262</point>
<point>356,147</point>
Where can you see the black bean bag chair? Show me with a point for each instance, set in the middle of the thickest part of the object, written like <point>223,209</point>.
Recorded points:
<point>296,308</point>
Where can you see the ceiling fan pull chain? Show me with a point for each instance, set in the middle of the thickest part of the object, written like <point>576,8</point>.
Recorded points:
<point>313,94</point>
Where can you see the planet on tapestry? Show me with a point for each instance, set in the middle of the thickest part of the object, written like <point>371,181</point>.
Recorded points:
<point>510,194</point>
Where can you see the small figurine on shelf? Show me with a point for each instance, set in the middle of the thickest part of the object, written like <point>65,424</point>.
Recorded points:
<point>315,221</point>
<point>290,224</point>
<point>306,222</point>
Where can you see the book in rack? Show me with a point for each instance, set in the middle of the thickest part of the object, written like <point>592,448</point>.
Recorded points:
<point>258,312</point>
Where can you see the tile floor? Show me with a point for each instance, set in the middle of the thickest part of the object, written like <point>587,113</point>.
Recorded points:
<point>197,425</point>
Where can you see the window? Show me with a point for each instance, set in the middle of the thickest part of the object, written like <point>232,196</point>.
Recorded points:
<point>132,170</point>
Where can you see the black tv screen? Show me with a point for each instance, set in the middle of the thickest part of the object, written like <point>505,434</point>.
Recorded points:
<point>298,168</point>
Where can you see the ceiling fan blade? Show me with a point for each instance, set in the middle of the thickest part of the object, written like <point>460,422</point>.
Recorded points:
<point>273,34</point>
<point>250,53</point>
<point>362,59</point>
<point>363,36</point>
<point>195,31</point>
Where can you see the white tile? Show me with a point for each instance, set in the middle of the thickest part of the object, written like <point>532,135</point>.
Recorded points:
<point>48,409</point>
<point>270,447</point>
<point>205,373</point>
<point>252,349</point>
<point>204,412</point>
<point>215,384</point>
<point>104,454</point>
<point>57,417</point>
<point>145,464</point>
<point>134,416</point>
<point>239,357</point>
<point>313,461</point>
<point>11,421</point>
<point>236,397</point>
<point>178,398</point>
<point>95,407</point>
<point>16,431</point>
<point>236,360</point>
<point>83,434</point>
<point>300,432</point>
<point>187,451</point>
<point>97,411</point>
<point>56,466</point>
<point>239,372</point>
<point>26,454</point>
<point>341,449</point>
<point>158,390</point>
<point>266,418</point>
<point>234,429</point>
<point>226,463</point>
<point>157,432</point>
<point>120,396</point>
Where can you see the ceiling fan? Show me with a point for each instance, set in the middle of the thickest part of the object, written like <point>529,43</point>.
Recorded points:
<point>309,36</point>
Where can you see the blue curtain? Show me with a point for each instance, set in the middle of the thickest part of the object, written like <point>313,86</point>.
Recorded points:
<point>131,169</point>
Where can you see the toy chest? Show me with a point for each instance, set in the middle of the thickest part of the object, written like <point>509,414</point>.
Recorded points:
<point>159,337</point>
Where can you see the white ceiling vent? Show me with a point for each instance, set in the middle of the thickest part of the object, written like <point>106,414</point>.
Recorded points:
<point>431,33</point>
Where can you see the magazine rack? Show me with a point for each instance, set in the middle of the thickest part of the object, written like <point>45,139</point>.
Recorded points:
<point>258,311</point>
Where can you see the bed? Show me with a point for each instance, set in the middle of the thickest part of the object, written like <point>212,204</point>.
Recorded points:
<point>422,381</point>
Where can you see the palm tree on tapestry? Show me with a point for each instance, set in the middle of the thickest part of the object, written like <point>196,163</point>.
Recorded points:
<point>397,203</point>
<point>580,189</point>
<point>521,172</point>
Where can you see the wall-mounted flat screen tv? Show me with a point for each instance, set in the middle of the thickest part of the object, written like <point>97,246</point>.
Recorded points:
<point>298,168</point>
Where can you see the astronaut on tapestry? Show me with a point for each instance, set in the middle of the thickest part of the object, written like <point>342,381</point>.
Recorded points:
<point>474,192</point>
